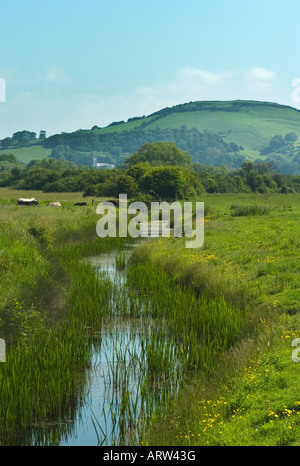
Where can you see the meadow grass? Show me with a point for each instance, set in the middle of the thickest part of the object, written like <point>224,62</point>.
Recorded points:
<point>230,311</point>
<point>50,300</point>
<point>251,395</point>
<point>51,245</point>
<point>26,154</point>
<point>199,327</point>
<point>10,196</point>
<point>245,211</point>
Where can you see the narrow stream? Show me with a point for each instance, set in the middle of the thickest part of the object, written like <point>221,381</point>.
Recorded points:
<point>116,361</point>
<point>118,394</point>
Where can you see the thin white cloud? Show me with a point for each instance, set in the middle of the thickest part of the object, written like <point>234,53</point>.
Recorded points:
<point>55,74</point>
<point>58,111</point>
<point>188,84</point>
<point>259,79</point>
<point>201,77</point>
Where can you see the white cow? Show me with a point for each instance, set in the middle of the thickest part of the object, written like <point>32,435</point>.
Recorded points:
<point>54,204</point>
<point>23,201</point>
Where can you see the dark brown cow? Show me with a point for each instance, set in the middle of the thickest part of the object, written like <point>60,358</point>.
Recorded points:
<point>80,203</point>
<point>115,202</point>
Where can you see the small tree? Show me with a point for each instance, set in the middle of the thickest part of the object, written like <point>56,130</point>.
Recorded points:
<point>121,184</point>
<point>6,142</point>
<point>276,142</point>
<point>290,138</point>
<point>160,153</point>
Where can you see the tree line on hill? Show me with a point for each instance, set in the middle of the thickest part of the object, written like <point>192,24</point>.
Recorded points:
<point>21,138</point>
<point>205,146</point>
<point>156,171</point>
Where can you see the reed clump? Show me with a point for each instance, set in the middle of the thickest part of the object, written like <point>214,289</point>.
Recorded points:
<point>50,302</point>
<point>246,211</point>
<point>201,328</point>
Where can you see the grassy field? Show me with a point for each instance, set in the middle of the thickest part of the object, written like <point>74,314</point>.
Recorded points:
<point>11,196</point>
<point>48,299</point>
<point>26,154</point>
<point>246,395</point>
<point>252,397</point>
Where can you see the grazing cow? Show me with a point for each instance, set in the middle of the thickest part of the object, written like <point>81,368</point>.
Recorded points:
<point>80,203</point>
<point>54,204</point>
<point>22,201</point>
<point>115,202</point>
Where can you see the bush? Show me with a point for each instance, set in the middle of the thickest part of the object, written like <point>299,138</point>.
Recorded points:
<point>245,211</point>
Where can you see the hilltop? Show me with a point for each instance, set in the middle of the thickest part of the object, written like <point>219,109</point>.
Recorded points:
<point>213,132</point>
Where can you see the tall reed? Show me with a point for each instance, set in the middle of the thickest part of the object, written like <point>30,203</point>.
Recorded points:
<point>42,379</point>
<point>179,334</point>
<point>198,325</point>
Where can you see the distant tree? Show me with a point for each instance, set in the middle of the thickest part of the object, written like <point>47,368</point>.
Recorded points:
<point>58,152</point>
<point>42,134</point>
<point>163,182</point>
<point>120,184</point>
<point>210,184</point>
<point>290,137</point>
<point>247,167</point>
<point>256,182</point>
<point>24,135</point>
<point>116,152</point>
<point>6,142</point>
<point>138,171</point>
<point>239,185</point>
<point>170,183</point>
<point>16,173</point>
<point>160,153</point>
<point>276,142</point>
<point>269,182</point>
<point>260,168</point>
<point>53,164</point>
<point>8,158</point>
<point>234,147</point>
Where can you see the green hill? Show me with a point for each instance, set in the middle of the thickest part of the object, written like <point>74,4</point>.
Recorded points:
<point>213,132</point>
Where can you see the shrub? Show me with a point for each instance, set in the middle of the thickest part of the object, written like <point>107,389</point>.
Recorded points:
<point>245,211</point>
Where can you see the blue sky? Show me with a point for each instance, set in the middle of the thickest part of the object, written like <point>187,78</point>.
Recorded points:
<point>70,64</point>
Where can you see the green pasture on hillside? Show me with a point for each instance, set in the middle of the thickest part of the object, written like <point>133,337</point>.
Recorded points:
<point>252,127</point>
<point>28,153</point>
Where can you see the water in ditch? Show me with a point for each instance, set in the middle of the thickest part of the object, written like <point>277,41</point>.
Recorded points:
<point>120,396</point>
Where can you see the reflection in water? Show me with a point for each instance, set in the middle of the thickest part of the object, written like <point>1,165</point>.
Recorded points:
<point>118,391</point>
<point>114,376</point>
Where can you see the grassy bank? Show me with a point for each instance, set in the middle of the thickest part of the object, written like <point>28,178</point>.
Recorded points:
<point>231,307</point>
<point>49,301</point>
<point>252,261</point>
